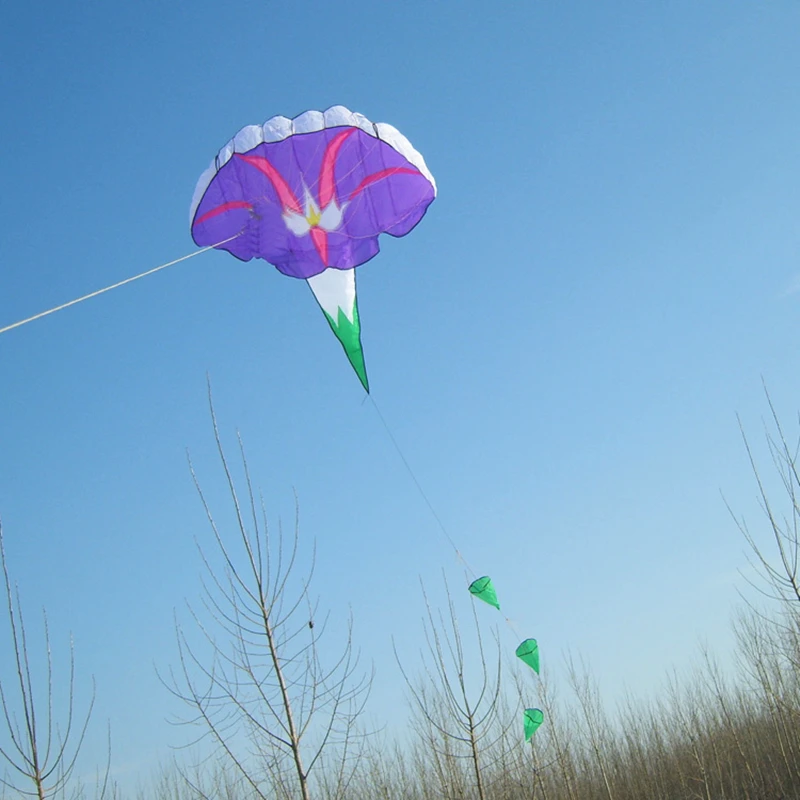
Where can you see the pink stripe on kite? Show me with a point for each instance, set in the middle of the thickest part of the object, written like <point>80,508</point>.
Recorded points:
<point>222,209</point>
<point>384,173</point>
<point>285,194</point>
<point>327,180</point>
<point>320,239</point>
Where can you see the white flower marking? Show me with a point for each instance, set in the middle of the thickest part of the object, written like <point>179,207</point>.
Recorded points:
<point>328,219</point>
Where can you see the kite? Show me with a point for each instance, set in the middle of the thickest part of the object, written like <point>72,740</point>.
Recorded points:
<point>528,652</point>
<point>483,589</point>
<point>311,195</point>
<point>533,718</point>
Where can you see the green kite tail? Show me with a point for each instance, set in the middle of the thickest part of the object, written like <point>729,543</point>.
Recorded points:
<point>528,652</point>
<point>483,590</point>
<point>335,291</point>
<point>533,718</point>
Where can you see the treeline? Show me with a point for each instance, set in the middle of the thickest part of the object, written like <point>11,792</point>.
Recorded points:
<point>703,738</point>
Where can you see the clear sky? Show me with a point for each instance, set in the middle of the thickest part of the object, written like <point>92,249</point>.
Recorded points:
<point>560,347</point>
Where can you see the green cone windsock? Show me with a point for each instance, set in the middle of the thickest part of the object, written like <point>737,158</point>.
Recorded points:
<point>528,652</point>
<point>483,590</point>
<point>533,719</point>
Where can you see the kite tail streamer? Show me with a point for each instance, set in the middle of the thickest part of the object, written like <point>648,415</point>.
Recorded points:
<point>113,286</point>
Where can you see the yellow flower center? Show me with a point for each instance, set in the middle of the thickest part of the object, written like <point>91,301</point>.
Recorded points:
<point>313,216</point>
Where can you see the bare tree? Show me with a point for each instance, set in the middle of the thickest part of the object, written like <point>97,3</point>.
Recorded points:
<point>548,755</point>
<point>592,714</point>
<point>459,719</point>
<point>777,571</point>
<point>259,686</point>
<point>39,754</point>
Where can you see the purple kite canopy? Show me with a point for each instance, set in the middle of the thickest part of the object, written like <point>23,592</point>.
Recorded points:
<point>311,193</point>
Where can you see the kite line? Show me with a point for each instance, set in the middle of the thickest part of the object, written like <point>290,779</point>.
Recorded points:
<point>481,588</point>
<point>478,586</point>
<point>114,286</point>
<point>419,486</point>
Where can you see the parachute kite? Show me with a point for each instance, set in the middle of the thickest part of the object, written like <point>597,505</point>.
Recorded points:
<point>311,195</point>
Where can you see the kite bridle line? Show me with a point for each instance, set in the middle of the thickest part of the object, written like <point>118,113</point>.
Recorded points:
<point>116,285</point>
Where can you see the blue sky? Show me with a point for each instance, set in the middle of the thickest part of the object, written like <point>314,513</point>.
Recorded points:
<point>561,346</point>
